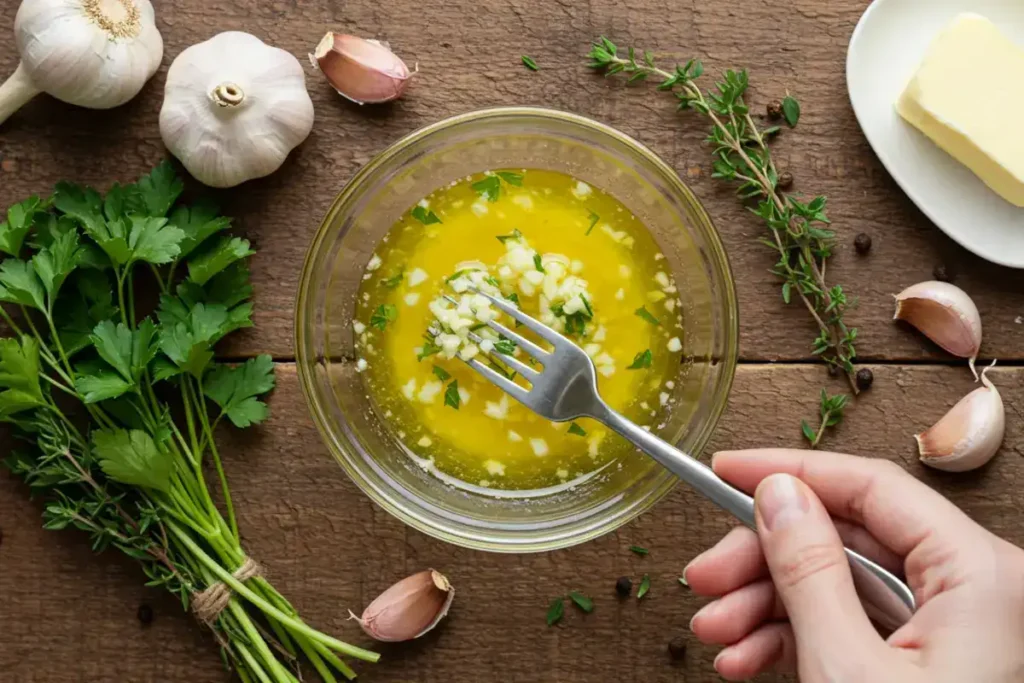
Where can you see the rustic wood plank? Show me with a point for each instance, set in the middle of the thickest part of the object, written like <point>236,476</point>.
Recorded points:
<point>71,616</point>
<point>469,54</point>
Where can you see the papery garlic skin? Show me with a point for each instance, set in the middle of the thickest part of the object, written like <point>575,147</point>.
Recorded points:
<point>234,108</point>
<point>945,314</point>
<point>362,70</point>
<point>409,608</point>
<point>90,53</point>
<point>969,435</point>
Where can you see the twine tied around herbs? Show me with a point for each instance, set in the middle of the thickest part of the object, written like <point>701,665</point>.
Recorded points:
<point>209,603</point>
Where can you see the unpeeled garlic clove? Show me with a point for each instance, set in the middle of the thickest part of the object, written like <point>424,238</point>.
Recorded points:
<point>969,434</point>
<point>364,71</point>
<point>945,314</point>
<point>408,609</point>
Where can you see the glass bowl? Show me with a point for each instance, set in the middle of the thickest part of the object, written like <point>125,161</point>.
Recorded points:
<point>513,137</point>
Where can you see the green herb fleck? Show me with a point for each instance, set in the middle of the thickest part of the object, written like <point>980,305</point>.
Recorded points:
<point>582,601</point>
<point>516,235</point>
<point>511,178</point>
<point>537,263</point>
<point>430,348</point>
<point>594,218</point>
<point>488,188</point>
<point>505,347</point>
<point>683,581</point>
<point>586,305</point>
<point>441,373</point>
<point>577,430</point>
<point>395,280</point>
<point>645,586</point>
<point>641,360</point>
<point>646,315</point>
<point>639,550</point>
<point>791,110</point>
<point>529,63</point>
<point>424,215</point>
<point>556,611</point>
<point>451,395</point>
<point>384,314</point>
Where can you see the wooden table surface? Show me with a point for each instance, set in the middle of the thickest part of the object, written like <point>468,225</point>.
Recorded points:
<point>70,616</point>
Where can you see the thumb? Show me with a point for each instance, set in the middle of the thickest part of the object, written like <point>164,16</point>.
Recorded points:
<point>809,568</point>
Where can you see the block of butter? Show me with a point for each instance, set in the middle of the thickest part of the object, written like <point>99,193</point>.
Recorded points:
<point>968,97</point>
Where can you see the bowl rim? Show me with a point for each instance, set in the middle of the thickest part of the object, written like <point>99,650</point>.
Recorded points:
<point>470,539</point>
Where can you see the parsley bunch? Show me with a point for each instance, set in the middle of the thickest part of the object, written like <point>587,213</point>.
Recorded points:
<point>797,230</point>
<point>116,410</point>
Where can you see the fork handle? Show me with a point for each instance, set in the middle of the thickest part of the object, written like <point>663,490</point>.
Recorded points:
<point>885,597</point>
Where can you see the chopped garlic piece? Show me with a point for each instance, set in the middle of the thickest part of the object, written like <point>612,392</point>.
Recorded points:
<point>576,267</point>
<point>662,279</point>
<point>425,442</point>
<point>463,396</point>
<point>625,271</point>
<point>592,349</point>
<point>417,277</point>
<point>670,384</point>
<point>495,468</point>
<point>425,203</point>
<point>358,327</point>
<point>361,365</point>
<point>499,411</point>
<point>675,345</point>
<point>539,446</point>
<point>429,392</point>
<point>600,333</point>
<point>409,389</point>
<point>479,208</point>
<point>581,190</point>
<point>374,263</point>
<point>524,201</point>
<point>562,473</point>
<point>514,436</point>
<point>412,299</point>
<point>663,399</point>
<point>620,295</point>
<point>670,304</point>
<point>594,443</point>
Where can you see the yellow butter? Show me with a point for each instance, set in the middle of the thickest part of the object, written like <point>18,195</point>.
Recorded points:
<point>968,97</point>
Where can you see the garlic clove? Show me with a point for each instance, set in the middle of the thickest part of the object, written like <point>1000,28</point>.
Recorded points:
<point>408,609</point>
<point>364,71</point>
<point>945,314</point>
<point>969,434</point>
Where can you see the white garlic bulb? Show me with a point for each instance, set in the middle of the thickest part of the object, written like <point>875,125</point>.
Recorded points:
<point>234,107</point>
<point>91,53</point>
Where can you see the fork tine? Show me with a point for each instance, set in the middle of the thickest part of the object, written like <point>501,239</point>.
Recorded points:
<point>546,333</point>
<point>504,383</point>
<point>511,361</point>
<point>522,342</point>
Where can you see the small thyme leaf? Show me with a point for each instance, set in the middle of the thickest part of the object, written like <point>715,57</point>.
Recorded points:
<point>451,395</point>
<point>639,550</point>
<point>529,63</point>
<point>593,218</point>
<point>641,360</point>
<point>645,585</point>
<point>384,314</point>
<point>577,430</point>
<point>582,601</point>
<point>537,263</point>
<point>646,315</point>
<point>791,110</point>
<point>424,215</point>
<point>556,611</point>
<point>441,373</point>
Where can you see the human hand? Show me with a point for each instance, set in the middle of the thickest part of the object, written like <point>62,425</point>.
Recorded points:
<point>784,596</point>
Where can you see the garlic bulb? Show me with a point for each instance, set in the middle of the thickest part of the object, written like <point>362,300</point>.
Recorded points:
<point>234,107</point>
<point>968,435</point>
<point>408,609</point>
<point>945,314</point>
<point>364,71</point>
<point>91,53</point>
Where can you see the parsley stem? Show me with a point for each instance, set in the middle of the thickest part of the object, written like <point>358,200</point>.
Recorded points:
<point>255,638</point>
<point>244,591</point>
<point>60,385</point>
<point>252,663</point>
<point>200,404</point>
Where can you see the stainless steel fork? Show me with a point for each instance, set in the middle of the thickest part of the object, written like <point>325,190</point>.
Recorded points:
<point>566,389</point>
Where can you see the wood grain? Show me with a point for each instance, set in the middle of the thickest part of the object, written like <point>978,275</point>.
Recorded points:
<point>468,52</point>
<point>70,616</point>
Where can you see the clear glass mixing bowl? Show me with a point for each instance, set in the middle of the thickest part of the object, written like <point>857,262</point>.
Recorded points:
<point>514,137</point>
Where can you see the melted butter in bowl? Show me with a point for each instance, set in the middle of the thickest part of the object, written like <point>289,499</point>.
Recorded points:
<point>567,253</point>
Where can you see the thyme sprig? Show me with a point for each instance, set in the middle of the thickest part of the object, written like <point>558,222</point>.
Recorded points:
<point>797,230</point>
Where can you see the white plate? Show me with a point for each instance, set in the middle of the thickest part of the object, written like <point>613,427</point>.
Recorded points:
<point>885,50</point>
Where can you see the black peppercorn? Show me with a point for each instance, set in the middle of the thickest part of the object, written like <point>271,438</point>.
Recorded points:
<point>864,379</point>
<point>862,243</point>
<point>145,614</point>
<point>785,180</point>
<point>624,586</point>
<point>943,273</point>
<point>774,109</point>
<point>677,648</point>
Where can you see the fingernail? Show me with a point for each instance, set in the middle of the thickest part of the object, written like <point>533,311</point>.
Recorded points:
<point>702,612</point>
<point>691,563</point>
<point>781,501</point>
<point>718,658</point>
